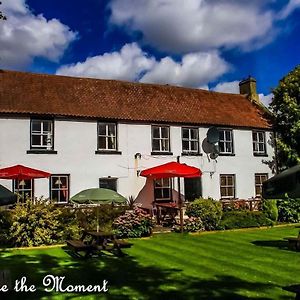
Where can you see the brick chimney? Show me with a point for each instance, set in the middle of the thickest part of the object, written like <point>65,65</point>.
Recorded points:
<point>248,87</point>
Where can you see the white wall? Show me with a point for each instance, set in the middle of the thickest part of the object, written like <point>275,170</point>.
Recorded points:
<point>76,142</point>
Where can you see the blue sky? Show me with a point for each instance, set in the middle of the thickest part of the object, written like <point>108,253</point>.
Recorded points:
<point>209,44</point>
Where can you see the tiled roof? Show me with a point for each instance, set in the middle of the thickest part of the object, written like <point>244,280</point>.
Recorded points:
<point>40,94</point>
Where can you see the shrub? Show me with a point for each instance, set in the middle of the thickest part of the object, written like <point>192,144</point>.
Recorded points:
<point>68,224</point>
<point>87,217</point>
<point>136,223</point>
<point>288,210</point>
<point>5,223</point>
<point>236,205</point>
<point>244,219</point>
<point>192,224</point>
<point>35,224</point>
<point>270,209</point>
<point>208,210</point>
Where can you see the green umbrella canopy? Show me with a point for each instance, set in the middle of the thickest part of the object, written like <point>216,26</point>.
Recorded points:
<point>98,196</point>
<point>6,196</point>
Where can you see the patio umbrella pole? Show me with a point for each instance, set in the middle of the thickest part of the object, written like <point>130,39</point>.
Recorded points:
<point>97,218</point>
<point>179,201</point>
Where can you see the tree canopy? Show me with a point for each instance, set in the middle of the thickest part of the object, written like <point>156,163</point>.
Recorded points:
<point>286,109</point>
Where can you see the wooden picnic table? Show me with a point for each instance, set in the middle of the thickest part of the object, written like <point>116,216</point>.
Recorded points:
<point>166,210</point>
<point>104,241</point>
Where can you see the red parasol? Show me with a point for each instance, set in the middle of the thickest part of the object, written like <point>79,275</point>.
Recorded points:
<point>20,172</point>
<point>172,169</point>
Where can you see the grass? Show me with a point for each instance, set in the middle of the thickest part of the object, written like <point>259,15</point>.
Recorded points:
<point>247,264</point>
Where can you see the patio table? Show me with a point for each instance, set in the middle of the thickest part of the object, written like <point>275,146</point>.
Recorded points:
<point>102,239</point>
<point>166,209</point>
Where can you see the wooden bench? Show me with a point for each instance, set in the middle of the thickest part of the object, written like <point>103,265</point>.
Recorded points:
<point>294,243</point>
<point>123,244</point>
<point>80,246</point>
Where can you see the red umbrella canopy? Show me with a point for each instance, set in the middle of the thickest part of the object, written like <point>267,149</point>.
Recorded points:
<point>172,169</point>
<point>22,173</point>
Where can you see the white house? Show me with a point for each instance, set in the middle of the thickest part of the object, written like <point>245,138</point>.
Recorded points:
<point>91,133</point>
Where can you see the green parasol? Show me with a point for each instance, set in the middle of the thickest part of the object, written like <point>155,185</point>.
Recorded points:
<point>6,196</point>
<point>98,196</point>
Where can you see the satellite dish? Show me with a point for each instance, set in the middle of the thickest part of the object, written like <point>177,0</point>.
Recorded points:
<point>207,147</point>
<point>215,153</point>
<point>213,135</point>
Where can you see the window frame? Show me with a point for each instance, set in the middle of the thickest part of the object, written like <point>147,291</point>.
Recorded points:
<point>259,184</point>
<point>224,153</point>
<point>16,190</point>
<point>190,140</point>
<point>68,187</point>
<point>107,150</point>
<point>169,187</point>
<point>257,143</point>
<point>41,148</point>
<point>228,186</point>
<point>160,151</point>
<point>110,179</point>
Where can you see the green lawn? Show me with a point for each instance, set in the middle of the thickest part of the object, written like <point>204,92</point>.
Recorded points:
<point>248,264</point>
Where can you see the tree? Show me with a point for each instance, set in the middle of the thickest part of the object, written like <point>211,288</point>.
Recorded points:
<point>286,109</point>
<point>2,16</point>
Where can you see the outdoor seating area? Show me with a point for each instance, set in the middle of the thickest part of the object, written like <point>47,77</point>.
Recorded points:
<point>95,242</point>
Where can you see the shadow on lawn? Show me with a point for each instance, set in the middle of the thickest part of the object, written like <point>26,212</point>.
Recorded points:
<point>126,277</point>
<point>280,244</point>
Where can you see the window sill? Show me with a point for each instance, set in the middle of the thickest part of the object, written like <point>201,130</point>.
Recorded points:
<point>108,152</point>
<point>38,151</point>
<point>226,154</point>
<point>260,154</point>
<point>191,154</point>
<point>161,153</point>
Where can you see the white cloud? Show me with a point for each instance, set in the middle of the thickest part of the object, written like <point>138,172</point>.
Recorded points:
<point>195,25</point>
<point>24,36</point>
<point>227,87</point>
<point>266,99</point>
<point>194,70</point>
<point>289,8</point>
<point>127,64</point>
<point>131,63</point>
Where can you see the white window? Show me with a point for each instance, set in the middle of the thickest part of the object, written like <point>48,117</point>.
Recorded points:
<point>24,188</point>
<point>190,140</point>
<point>162,190</point>
<point>107,136</point>
<point>225,141</point>
<point>59,188</point>
<point>160,139</point>
<point>259,142</point>
<point>259,179</point>
<point>227,186</point>
<point>41,134</point>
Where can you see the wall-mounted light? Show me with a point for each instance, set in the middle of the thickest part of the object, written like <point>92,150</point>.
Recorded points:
<point>137,155</point>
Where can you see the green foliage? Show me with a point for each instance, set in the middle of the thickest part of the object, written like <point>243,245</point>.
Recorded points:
<point>270,209</point>
<point>87,217</point>
<point>35,223</point>
<point>288,210</point>
<point>286,109</point>
<point>244,219</point>
<point>5,222</point>
<point>133,224</point>
<point>237,205</point>
<point>208,210</point>
<point>69,227</point>
<point>192,224</point>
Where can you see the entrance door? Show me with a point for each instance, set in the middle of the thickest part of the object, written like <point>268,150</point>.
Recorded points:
<point>192,188</point>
